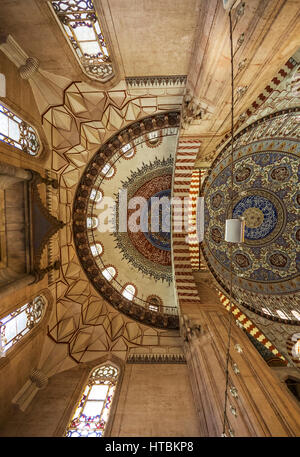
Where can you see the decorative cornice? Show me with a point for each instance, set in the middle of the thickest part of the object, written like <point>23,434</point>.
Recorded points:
<point>156,358</point>
<point>156,81</point>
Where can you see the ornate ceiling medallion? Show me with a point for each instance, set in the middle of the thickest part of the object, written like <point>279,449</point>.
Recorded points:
<point>91,181</point>
<point>149,252</point>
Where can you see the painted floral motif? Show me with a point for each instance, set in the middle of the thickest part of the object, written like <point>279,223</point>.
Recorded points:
<point>243,174</point>
<point>260,216</point>
<point>241,260</point>
<point>216,200</point>
<point>280,174</point>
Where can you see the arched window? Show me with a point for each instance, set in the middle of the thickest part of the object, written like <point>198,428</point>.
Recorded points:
<point>81,27</point>
<point>128,151</point>
<point>109,273</point>
<point>296,314</point>
<point>96,249</point>
<point>92,413</point>
<point>92,222</point>
<point>108,170</point>
<point>153,139</point>
<point>18,323</point>
<point>17,133</point>
<point>129,292</point>
<point>266,311</point>
<point>154,303</point>
<point>281,314</point>
<point>96,195</point>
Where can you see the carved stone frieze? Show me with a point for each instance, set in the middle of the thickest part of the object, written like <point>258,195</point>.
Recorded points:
<point>156,81</point>
<point>156,358</point>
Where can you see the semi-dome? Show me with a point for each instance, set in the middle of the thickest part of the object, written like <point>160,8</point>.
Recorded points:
<point>116,258</point>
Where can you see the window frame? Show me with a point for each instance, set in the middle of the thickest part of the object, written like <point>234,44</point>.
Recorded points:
<point>124,288</point>
<point>10,147</point>
<point>42,324</point>
<point>89,368</point>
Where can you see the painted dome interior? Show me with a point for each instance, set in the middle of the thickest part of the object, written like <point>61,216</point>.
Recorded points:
<point>266,194</point>
<point>121,257</point>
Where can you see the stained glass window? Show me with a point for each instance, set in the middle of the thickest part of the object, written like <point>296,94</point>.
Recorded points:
<point>96,195</point>
<point>92,412</point>
<point>129,292</point>
<point>109,273</point>
<point>82,29</point>
<point>18,323</point>
<point>17,133</point>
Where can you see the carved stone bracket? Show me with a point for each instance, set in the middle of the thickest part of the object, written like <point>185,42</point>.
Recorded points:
<point>193,109</point>
<point>38,179</point>
<point>40,273</point>
<point>190,328</point>
<point>37,381</point>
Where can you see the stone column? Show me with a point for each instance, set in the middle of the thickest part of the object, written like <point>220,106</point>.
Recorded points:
<point>257,404</point>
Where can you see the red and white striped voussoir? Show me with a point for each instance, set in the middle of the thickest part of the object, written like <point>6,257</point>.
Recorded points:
<point>186,154</point>
<point>248,325</point>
